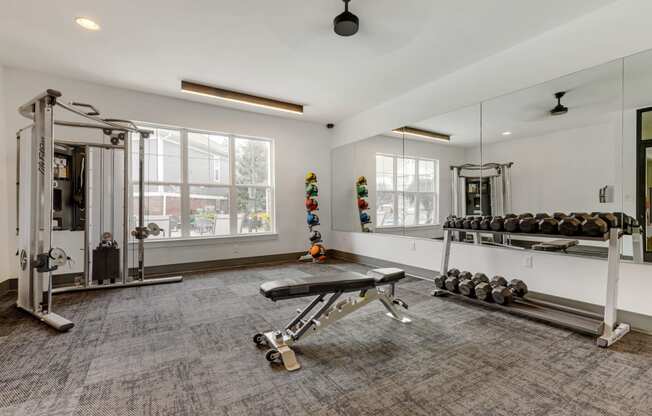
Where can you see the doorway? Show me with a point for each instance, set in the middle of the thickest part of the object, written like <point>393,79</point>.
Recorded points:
<point>644,176</point>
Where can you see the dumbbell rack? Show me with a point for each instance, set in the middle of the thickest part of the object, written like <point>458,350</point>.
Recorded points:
<point>605,326</point>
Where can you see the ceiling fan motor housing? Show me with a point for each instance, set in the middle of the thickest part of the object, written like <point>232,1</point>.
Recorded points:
<point>346,23</point>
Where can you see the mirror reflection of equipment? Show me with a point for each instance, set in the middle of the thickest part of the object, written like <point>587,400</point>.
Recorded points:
<point>470,183</point>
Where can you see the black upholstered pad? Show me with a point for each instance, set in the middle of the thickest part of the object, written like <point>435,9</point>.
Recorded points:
<point>309,286</point>
<point>386,275</point>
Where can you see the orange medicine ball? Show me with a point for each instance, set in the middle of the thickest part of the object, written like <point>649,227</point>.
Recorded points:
<point>315,251</point>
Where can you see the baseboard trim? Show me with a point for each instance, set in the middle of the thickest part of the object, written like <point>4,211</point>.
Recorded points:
<point>639,322</point>
<point>213,265</point>
<point>417,272</point>
<point>177,269</point>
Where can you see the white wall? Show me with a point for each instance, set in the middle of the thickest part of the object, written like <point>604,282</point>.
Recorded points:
<point>299,147</point>
<point>564,276</point>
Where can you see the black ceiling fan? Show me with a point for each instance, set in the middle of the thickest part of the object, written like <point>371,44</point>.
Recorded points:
<point>346,23</point>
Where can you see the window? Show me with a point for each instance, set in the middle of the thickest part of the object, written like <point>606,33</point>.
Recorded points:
<point>162,164</point>
<point>205,184</point>
<point>406,191</point>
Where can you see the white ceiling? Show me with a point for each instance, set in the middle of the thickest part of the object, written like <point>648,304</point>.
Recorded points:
<point>283,49</point>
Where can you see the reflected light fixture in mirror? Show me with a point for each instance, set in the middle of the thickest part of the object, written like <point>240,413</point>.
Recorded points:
<point>425,134</point>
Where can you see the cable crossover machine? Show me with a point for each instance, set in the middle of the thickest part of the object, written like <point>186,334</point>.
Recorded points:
<point>84,188</point>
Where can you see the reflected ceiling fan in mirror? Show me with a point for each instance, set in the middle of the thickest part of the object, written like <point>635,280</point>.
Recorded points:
<point>559,109</point>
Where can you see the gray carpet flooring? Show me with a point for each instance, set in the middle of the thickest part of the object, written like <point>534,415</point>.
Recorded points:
<point>186,349</point>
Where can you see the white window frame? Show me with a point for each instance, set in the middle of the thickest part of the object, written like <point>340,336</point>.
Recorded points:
<point>401,193</point>
<point>232,187</point>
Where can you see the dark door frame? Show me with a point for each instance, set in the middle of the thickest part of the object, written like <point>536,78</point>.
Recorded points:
<point>641,177</point>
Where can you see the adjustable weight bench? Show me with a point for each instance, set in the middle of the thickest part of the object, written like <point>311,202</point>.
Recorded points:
<point>327,289</point>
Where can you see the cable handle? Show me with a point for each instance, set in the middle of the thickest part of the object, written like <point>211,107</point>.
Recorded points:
<point>94,111</point>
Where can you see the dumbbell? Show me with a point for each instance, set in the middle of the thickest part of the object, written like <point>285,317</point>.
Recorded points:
<point>573,225</point>
<point>475,223</point>
<point>466,224</point>
<point>452,282</point>
<point>459,223</point>
<point>440,281</point>
<point>622,219</point>
<point>450,221</point>
<point>529,225</point>
<point>504,295</point>
<point>497,223</point>
<point>570,226</point>
<point>594,227</point>
<point>541,216</point>
<point>485,224</point>
<point>559,216</point>
<point>483,290</point>
<point>467,286</point>
<point>526,215</point>
<point>549,226</point>
<point>511,224</point>
<point>625,222</point>
<point>609,218</point>
<point>581,216</point>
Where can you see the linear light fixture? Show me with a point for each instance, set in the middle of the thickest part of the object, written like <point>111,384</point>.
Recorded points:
<point>239,97</point>
<point>426,134</point>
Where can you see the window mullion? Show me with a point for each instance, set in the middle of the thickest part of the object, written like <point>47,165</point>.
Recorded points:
<point>185,189</point>
<point>417,197</point>
<point>395,168</point>
<point>233,194</point>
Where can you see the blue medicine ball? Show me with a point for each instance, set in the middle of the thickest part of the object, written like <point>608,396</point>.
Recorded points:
<point>312,219</point>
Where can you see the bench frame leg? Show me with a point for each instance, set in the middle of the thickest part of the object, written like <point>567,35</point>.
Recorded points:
<point>329,313</point>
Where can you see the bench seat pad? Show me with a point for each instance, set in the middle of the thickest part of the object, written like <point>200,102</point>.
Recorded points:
<point>308,286</point>
<point>386,275</point>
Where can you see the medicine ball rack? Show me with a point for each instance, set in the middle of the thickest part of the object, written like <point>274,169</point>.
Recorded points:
<point>605,327</point>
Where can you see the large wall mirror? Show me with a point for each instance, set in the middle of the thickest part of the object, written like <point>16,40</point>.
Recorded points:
<point>399,182</point>
<point>367,181</point>
<point>579,144</point>
<point>561,142</point>
<point>437,151</point>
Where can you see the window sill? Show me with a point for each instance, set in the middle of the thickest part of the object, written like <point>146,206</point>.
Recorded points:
<point>202,241</point>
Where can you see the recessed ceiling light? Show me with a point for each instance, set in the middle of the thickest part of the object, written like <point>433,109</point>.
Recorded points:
<point>507,133</point>
<point>87,23</point>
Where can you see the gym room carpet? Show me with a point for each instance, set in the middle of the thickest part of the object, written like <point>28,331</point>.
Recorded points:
<point>186,349</point>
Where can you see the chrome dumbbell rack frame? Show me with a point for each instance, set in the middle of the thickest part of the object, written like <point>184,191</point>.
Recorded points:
<point>608,329</point>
